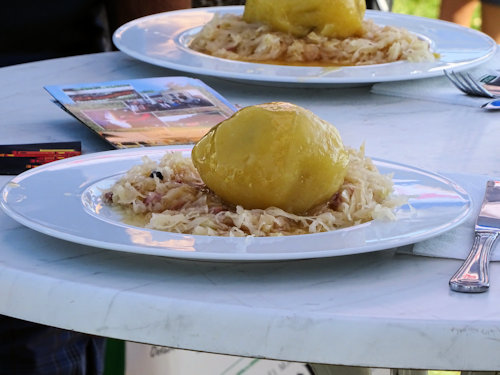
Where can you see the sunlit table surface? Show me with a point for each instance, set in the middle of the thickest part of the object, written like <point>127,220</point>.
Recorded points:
<point>379,309</point>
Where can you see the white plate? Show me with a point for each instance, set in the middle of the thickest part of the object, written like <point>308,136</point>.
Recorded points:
<point>163,39</point>
<point>62,199</point>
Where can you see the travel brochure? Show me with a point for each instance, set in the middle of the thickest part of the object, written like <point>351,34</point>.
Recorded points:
<point>491,82</point>
<point>145,112</point>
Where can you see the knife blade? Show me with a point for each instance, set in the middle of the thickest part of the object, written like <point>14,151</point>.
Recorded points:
<point>473,275</point>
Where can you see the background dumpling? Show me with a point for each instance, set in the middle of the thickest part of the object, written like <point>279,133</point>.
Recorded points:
<point>330,18</point>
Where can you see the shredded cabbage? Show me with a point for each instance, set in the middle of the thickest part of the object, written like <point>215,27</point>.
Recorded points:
<point>169,195</point>
<point>229,36</point>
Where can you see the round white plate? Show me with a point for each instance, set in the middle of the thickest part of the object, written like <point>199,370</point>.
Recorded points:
<point>63,199</point>
<point>163,39</point>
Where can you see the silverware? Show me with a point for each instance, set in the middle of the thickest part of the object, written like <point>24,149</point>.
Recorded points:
<point>473,275</point>
<point>467,84</point>
<point>493,105</point>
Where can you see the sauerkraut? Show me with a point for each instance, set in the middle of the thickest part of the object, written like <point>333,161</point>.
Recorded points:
<point>169,195</point>
<point>229,36</point>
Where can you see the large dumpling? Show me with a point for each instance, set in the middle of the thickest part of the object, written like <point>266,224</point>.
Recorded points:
<point>274,154</point>
<point>330,18</point>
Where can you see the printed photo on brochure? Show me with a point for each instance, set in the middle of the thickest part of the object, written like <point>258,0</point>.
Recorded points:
<point>491,82</point>
<point>145,112</point>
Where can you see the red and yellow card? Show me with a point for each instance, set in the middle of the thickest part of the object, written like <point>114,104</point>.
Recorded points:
<point>17,158</point>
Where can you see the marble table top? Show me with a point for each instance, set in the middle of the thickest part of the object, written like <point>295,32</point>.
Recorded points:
<point>380,309</point>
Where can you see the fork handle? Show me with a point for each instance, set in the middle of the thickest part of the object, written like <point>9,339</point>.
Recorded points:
<point>473,275</point>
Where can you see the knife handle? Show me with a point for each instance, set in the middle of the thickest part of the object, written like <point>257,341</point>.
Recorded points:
<point>473,275</point>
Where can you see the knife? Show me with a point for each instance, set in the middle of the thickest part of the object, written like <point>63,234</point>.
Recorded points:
<point>473,275</point>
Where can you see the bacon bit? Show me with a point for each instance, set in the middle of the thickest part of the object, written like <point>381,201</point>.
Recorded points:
<point>178,206</point>
<point>152,198</point>
<point>108,197</point>
<point>334,201</point>
<point>216,209</point>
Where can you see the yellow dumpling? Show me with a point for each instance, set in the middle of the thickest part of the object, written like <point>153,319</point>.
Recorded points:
<point>274,154</point>
<point>330,18</point>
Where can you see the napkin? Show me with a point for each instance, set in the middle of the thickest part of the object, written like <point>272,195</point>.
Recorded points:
<point>456,243</point>
<point>439,89</point>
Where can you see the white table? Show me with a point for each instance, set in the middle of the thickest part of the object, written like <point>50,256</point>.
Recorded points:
<point>379,309</point>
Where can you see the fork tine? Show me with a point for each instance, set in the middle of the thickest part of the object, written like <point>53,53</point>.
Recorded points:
<point>474,87</point>
<point>467,84</point>
<point>480,88</point>
<point>453,79</point>
<point>471,90</point>
<point>469,81</point>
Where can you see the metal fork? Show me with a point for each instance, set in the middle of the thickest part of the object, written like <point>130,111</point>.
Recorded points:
<point>466,83</point>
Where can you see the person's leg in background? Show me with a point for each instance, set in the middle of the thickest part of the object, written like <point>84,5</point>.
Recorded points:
<point>490,15</point>
<point>33,349</point>
<point>458,11</point>
<point>461,11</point>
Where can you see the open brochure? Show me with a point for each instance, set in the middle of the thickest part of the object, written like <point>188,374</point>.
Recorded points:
<point>145,112</point>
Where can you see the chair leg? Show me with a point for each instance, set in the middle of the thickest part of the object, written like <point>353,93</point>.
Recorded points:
<point>320,369</point>
<point>384,5</point>
<point>408,372</point>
